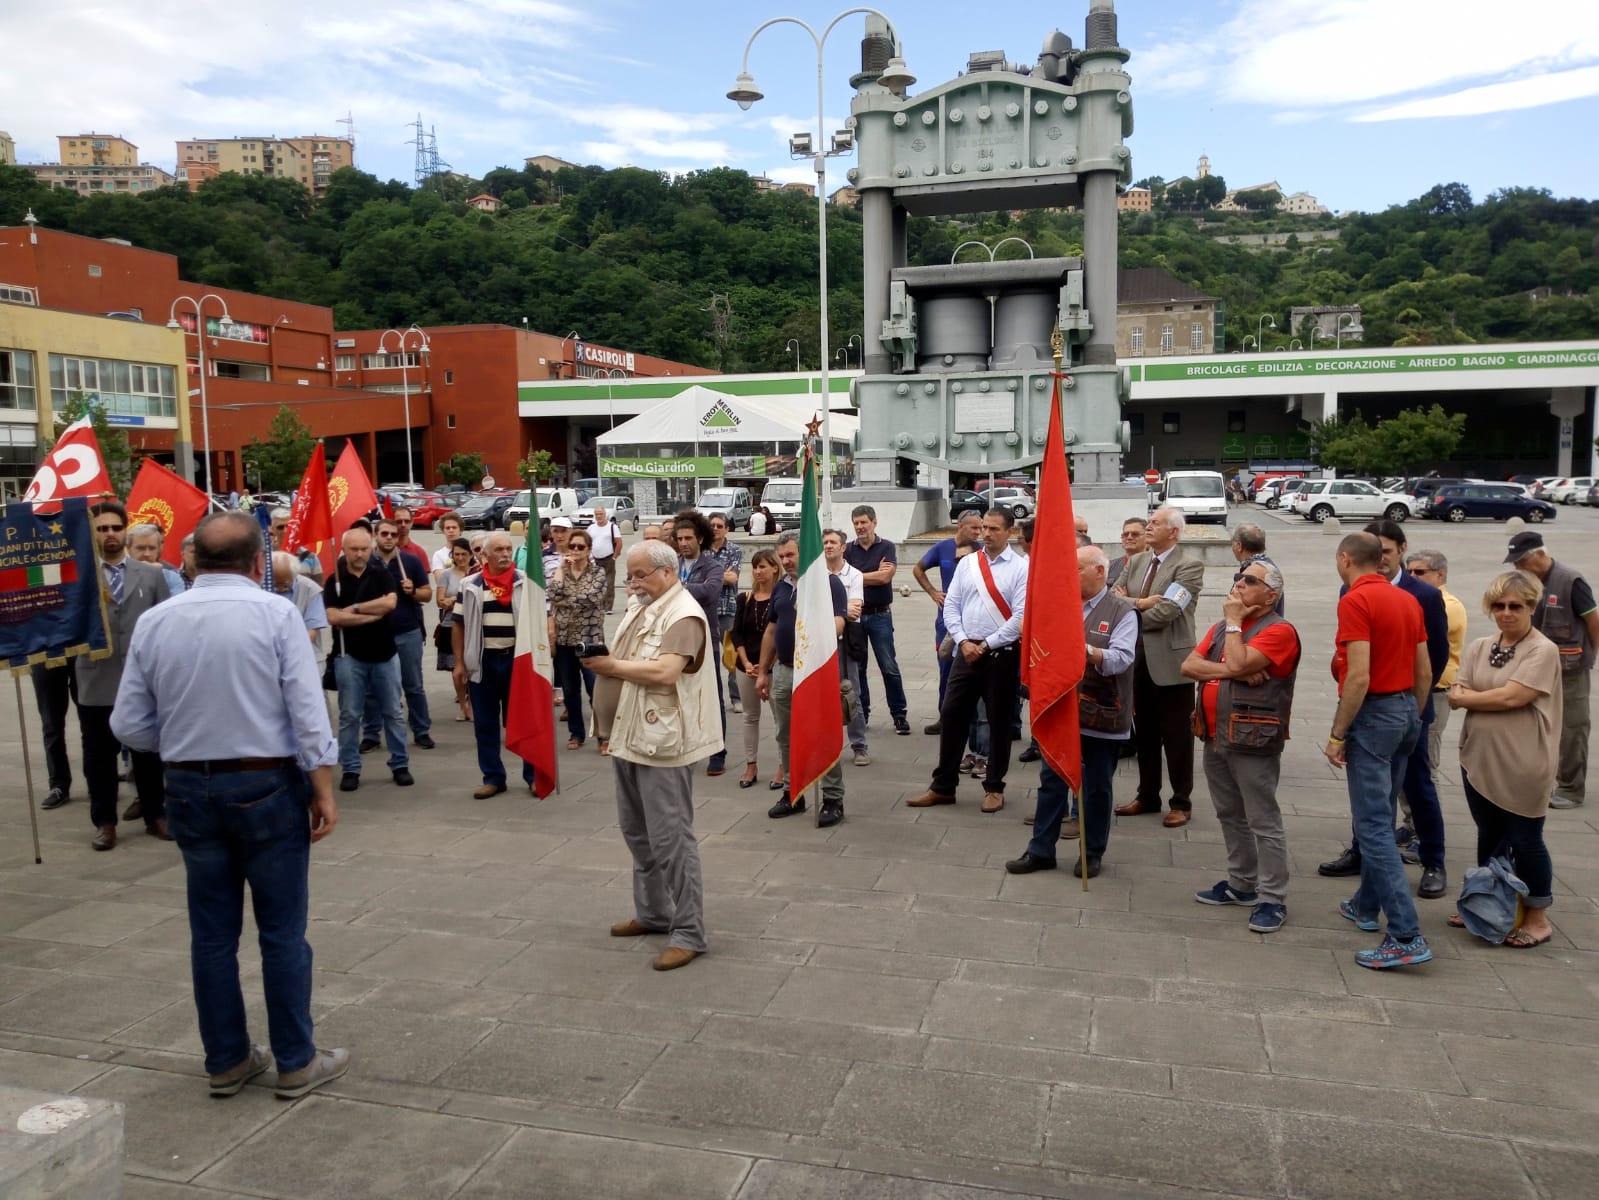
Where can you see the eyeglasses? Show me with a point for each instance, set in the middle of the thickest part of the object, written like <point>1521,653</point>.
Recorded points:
<point>388,533</point>
<point>1421,570</point>
<point>1507,606</point>
<point>1245,577</point>
<point>640,576</point>
<point>109,528</point>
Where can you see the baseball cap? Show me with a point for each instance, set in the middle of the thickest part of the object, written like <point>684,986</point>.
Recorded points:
<point>560,522</point>
<point>1522,545</point>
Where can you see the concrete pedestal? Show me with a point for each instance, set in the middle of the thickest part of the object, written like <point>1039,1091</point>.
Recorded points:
<point>59,1147</point>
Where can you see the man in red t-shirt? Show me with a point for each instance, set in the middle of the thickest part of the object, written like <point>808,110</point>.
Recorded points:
<point>1245,667</point>
<point>1384,680</point>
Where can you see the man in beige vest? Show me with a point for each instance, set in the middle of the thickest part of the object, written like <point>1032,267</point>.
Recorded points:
<point>656,702</point>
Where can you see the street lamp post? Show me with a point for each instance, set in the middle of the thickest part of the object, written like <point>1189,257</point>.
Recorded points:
<point>744,94</point>
<point>793,344</point>
<point>1353,327</point>
<point>1248,337</point>
<point>224,324</point>
<point>405,382</point>
<point>854,340</point>
<point>1317,333</point>
<point>1260,326</point>
<point>576,339</point>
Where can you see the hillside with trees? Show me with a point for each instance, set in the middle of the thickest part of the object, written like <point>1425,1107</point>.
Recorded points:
<point>633,258</point>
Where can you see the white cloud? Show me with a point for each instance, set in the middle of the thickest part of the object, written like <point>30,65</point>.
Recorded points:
<point>1498,97</point>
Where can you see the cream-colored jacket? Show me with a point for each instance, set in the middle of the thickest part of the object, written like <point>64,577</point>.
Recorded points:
<point>673,725</point>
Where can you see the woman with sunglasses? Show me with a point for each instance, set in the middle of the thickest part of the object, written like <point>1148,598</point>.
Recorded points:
<point>577,614</point>
<point>448,591</point>
<point>749,626</point>
<point>1509,687</point>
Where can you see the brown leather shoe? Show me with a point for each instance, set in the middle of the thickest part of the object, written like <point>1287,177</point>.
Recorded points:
<point>487,790</point>
<point>1135,808</point>
<point>632,927</point>
<point>105,837</point>
<point>993,801</point>
<point>674,957</point>
<point>1070,829</point>
<point>158,829</point>
<point>1176,818</point>
<point>134,811</point>
<point>929,798</point>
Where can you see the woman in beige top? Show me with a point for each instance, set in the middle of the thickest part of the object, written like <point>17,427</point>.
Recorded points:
<point>1509,686</point>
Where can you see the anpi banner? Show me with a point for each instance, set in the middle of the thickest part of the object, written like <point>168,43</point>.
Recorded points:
<point>50,594</point>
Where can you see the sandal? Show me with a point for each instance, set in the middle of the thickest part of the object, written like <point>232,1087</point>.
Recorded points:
<point>1519,939</point>
<point>752,776</point>
<point>605,747</point>
<point>574,743</point>
<point>1456,921</point>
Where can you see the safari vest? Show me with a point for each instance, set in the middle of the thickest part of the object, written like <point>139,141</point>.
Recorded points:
<point>1105,702</point>
<point>1567,630</point>
<point>672,725</point>
<point>1249,720</point>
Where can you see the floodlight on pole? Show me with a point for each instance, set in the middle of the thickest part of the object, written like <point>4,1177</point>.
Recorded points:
<point>405,382</point>
<point>224,323</point>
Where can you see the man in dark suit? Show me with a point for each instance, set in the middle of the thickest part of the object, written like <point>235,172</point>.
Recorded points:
<point>131,589</point>
<point>1419,790</point>
<point>1164,584</point>
<point>700,573</point>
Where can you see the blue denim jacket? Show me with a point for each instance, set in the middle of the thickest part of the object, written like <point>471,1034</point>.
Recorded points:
<point>1489,899</point>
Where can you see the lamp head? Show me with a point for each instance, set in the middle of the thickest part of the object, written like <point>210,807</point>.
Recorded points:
<point>896,76</point>
<point>226,322</point>
<point>799,145</point>
<point>172,323</point>
<point>843,141</point>
<point>744,92</point>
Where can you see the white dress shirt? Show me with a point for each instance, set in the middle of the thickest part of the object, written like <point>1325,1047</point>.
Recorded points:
<point>970,614</point>
<point>854,582</point>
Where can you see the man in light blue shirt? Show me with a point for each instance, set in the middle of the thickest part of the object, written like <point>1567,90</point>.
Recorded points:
<point>224,687</point>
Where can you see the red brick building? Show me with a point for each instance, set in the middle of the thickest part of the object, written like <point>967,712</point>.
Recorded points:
<point>343,385</point>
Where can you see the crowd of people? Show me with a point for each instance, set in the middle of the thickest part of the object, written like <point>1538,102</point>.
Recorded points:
<point>693,648</point>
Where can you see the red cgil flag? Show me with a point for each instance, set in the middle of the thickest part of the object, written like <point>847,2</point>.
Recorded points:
<point>1056,652</point>
<point>311,517</point>
<point>73,468</point>
<point>161,497</point>
<point>350,497</point>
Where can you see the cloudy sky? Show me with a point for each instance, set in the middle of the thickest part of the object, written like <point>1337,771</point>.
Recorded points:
<point>1363,103</point>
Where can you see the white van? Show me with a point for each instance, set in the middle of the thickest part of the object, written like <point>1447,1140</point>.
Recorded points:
<point>1199,495</point>
<point>781,498</point>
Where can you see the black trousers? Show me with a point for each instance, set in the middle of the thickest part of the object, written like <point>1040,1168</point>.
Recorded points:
<point>100,752</point>
<point>993,680</point>
<point>1164,716</point>
<point>52,691</point>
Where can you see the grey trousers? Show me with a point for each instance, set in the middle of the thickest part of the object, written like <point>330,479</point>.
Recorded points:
<point>782,705</point>
<point>1435,731</point>
<point>1243,787</point>
<point>655,808</point>
<point>1571,780</point>
<point>751,700</point>
<point>852,669</point>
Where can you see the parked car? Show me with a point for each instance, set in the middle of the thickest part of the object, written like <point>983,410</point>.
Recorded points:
<point>620,509</point>
<point>1018,500</point>
<point>425,514</point>
<point>485,510</point>
<point>553,502</point>
<point>734,503</point>
<point>1568,491</point>
<point>781,498</point>
<point>1491,501</point>
<point>1198,495</point>
<point>1592,498</point>
<point>1424,487</point>
<point>964,500</point>
<point>1543,483</point>
<point>1319,499</point>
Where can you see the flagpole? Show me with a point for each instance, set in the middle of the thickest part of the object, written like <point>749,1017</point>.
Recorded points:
<point>1057,345</point>
<point>27,764</point>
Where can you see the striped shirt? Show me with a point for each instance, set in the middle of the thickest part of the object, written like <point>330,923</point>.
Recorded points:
<point>499,624</point>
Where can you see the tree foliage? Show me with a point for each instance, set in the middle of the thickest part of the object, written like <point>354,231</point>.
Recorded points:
<point>277,464</point>
<point>538,467</point>
<point>1408,441</point>
<point>633,258</point>
<point>462,468</point>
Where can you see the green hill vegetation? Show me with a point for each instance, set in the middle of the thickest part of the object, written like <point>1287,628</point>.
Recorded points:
<point>704,268</point>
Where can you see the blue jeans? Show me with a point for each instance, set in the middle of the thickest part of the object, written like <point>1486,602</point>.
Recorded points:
<point>880,635</point>
<point>1100,756</point>
<point>357,680</point>
<point>491,698</point>
<point>1377,749</point>
<point>408,649</point>
<point>247,826</point>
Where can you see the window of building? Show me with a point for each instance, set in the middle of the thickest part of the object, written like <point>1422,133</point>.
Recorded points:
<point>15,294</point>
<point>344,362</point>
<point>449,421</point>
<point>1171,422</point>
<point>380,362</point>
<point>1138,342</point>
<point>94,271</point>
<point>1166,332</point>
<point>1196,337</point>
<point>449,376</point>
<point>16,381</point>
<point>256,372</point>
<point>1135,424</point>
<point>119,388</point>
<point>1235,420</point>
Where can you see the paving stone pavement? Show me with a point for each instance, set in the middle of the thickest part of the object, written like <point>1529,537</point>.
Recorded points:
<point>884,1012</point>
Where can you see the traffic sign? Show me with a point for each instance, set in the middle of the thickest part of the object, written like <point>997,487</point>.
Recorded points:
<point>1151,477</point>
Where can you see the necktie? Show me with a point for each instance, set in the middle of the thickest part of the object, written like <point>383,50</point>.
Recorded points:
<point>113,578</point>
<point>1154,565</point>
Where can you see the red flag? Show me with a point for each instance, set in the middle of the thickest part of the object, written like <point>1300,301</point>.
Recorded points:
<point>530,708</point>
<point>350,497</point>
<point>73,468</point>
<point>310,519</point>
<point>1052,632</point>
<point>161,497</point>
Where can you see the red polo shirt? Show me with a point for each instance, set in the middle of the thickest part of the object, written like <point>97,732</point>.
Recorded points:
<point>1279,643</point>
<point>1374,610</point>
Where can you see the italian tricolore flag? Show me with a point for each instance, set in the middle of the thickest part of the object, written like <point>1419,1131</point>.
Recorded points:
<point>530,712</point>
<point>816,724</point>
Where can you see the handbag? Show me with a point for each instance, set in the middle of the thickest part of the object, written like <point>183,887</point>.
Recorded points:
<point>848,702</point>
<point>855,640</point>
<point>441,638</point>
<point>330,674</point>
<point>729,654</point>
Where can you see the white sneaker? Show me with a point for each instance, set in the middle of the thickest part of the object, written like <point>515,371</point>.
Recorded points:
<point>862,759</point>
<point>738,706</point>
<point>327,1066</point>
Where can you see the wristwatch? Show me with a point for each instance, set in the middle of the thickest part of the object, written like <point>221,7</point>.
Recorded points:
<point>1233,629</point>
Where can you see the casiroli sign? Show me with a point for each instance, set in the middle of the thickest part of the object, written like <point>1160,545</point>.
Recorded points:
<point>50,596</point>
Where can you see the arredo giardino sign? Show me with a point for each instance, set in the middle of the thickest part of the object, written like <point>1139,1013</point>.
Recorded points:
<point>662,468</point>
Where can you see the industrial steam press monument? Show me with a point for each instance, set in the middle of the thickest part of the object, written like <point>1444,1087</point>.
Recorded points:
<point>957,358</point>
